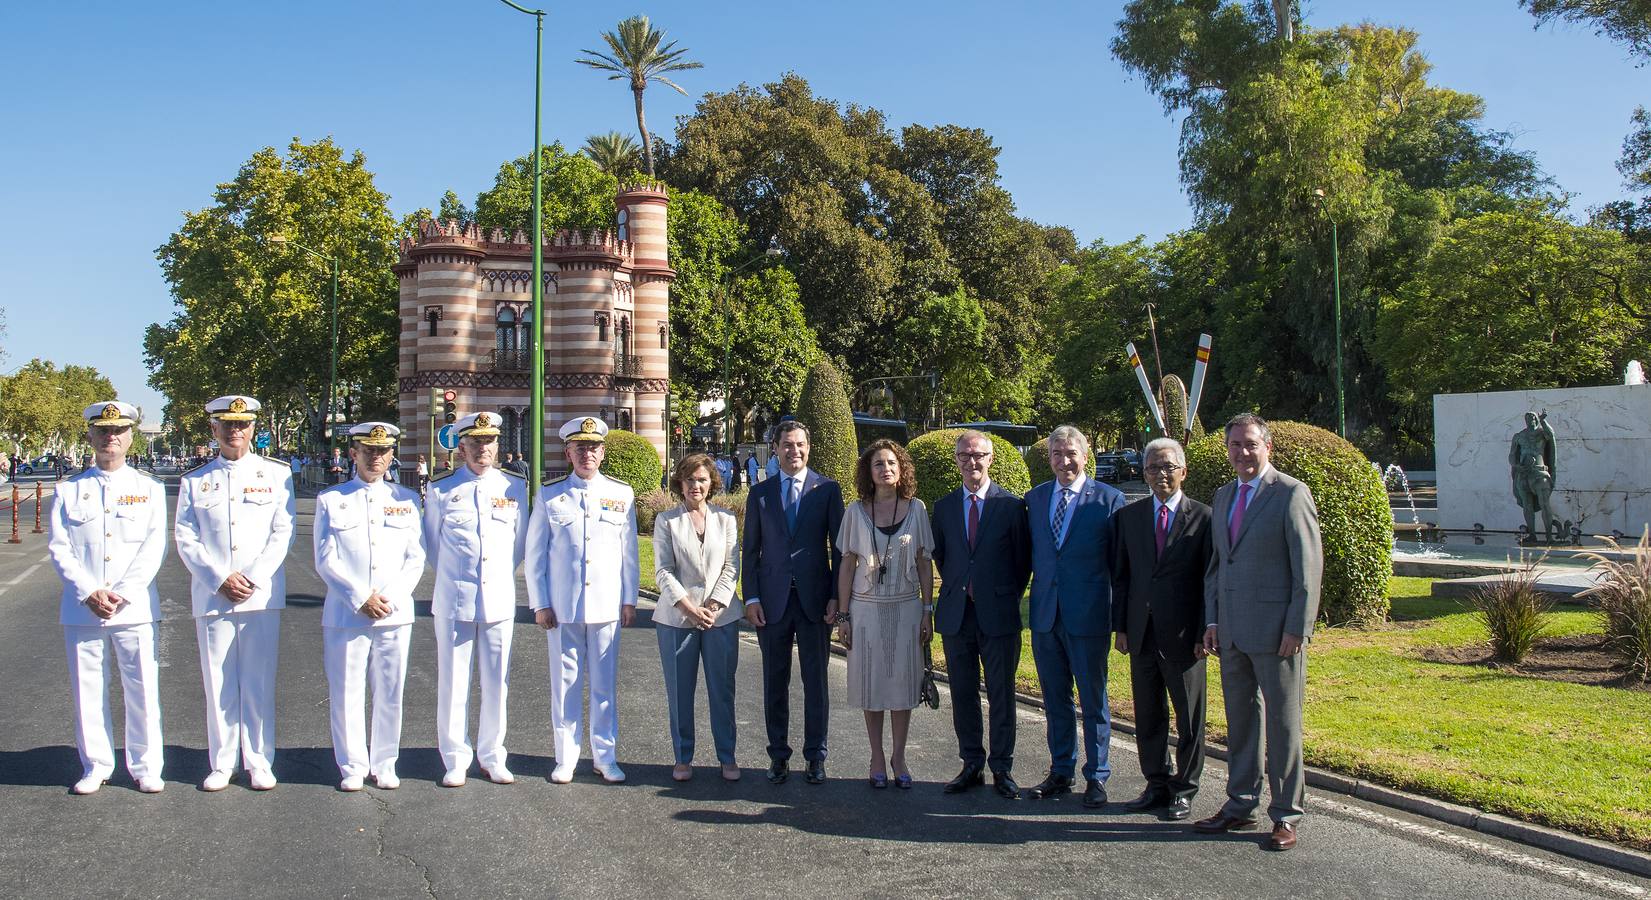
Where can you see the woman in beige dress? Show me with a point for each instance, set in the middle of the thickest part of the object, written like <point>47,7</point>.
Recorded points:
<point>888,579</point>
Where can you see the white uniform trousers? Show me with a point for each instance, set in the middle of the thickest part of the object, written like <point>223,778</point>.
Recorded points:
<point>238,655</point>
<point>356,658</point>
<point>134,651</point>
<point>578,651</point>
<point>457,643</point>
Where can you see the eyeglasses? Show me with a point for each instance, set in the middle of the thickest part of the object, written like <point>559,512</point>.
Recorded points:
<point>977,457</point>
<point>1169,468</point>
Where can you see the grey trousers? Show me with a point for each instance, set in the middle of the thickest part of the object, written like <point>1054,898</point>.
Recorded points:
<point>1264,691</point>
<point>681,650</point>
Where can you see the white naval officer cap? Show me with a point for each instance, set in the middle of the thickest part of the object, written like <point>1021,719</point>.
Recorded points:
<point>584,428</point>
<point>112,413</point>
<point>480,424</point>
<point>375,434</point>
<point>233,408</point>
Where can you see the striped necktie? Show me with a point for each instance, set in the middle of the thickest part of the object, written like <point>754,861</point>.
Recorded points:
<point>1060,515</point>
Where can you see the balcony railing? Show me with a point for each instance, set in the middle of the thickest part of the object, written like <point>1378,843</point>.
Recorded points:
<point>626,365</point>
<point>512,360</point>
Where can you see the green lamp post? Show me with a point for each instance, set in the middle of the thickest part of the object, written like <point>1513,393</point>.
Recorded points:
<point>536,456</point>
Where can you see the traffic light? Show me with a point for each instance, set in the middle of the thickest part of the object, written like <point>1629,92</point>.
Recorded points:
<point>449,412</point>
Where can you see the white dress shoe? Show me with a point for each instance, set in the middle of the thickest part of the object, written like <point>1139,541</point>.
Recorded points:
<point>262,779</point>
<point>612,774</point>
<point>89,784</point>
<point>453,778</point>
<point>387,781</point>
<point>351,784</point>
<point>561,775</point>
<point>499,775</point>
<point>149,784</point>
<point>216,781</point>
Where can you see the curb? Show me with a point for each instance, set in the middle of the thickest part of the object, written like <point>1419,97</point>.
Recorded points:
<point>1590,850</point>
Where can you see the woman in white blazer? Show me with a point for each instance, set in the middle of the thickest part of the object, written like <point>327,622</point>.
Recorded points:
<point>696,564</point>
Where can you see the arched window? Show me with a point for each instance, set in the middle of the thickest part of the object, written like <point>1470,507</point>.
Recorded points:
<point>506,335</point>
<point>511,428</point>
<point>624,220</point>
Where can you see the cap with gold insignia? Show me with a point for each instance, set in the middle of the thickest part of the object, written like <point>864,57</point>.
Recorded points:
<point>233,408</point>
<point>481,424</point>
<point>112,413</point>
<point>585,428</point>
<point>375,434</point>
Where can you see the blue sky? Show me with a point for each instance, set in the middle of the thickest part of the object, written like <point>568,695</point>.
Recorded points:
<point>121,116</point>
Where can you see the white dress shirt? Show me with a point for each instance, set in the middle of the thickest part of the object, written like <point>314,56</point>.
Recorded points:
<point>1055,501</point>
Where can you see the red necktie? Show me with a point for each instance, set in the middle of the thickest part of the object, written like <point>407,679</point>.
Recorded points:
<point>1237,519</point>
<point>974,520</point>
<point>1163,527</point>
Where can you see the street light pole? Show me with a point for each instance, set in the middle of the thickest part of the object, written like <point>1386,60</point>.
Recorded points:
<point>282,240</point>
<point>536,454</point>
<point>1335,262</point>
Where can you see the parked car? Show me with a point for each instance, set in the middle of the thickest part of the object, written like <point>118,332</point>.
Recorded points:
<point>1111,467</point>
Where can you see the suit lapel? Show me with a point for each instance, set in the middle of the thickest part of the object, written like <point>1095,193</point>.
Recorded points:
<point>992,493</point>
<point>1177,527</point>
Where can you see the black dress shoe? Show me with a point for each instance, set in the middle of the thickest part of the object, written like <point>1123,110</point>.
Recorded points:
<point>1178,809</point>
<point>1094,794</point>
<point>778,772</point>
<point>971,776</point>
<point>816,771</point>
<point>1005,784</point>
<point>1053,786</point>
<point>1151,798</point>
<point>1220,823</point>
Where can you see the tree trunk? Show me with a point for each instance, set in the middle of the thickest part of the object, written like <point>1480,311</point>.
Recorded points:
<point>642,126</point>
<point>1281,15</point>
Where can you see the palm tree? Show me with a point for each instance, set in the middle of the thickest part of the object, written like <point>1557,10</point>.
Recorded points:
<point>638,57</point>
<point>617,154</point>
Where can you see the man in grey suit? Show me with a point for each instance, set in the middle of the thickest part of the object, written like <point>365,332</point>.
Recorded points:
<point>1261,597</point>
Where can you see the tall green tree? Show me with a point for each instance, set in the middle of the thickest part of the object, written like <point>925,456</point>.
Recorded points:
<point>253,316</point>
<point>639,54</point>
<point>615,153</point>
<point>41,404</point>
<point>1627,21</point>
<point>575,193</point>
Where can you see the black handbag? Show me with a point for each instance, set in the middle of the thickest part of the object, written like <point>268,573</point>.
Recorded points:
<point>928,693</point>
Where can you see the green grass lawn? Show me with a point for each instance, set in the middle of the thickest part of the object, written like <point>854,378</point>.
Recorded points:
<point>1571,756</point>
<point>646,554</point>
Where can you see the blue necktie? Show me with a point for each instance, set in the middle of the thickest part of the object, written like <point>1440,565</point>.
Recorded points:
<point>791,499</point>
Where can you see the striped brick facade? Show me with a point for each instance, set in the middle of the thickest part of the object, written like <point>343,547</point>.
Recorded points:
<point>466,305</point>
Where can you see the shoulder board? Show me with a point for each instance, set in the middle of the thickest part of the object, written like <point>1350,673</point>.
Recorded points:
<point>331,489</point>
<point>444,476</point>
<point>558,480</point>
<point>511,473</point>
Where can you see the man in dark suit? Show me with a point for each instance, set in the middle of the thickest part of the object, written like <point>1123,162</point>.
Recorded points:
<point>1070,523</point>
<point>984,554</point>
<point>1161,549</point>
<point>1261,597</point>
<point>791,556</point>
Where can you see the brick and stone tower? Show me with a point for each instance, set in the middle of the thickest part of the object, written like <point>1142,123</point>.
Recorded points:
<point>466,308</point>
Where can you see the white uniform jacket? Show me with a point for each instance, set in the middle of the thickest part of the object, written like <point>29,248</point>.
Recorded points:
<point>581,559</point>
<point>235,517</point>
<point>108,532</point>
<point>475,529</point>
<point>369,538</point>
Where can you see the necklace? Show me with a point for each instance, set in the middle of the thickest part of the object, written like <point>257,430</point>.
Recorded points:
<point>888,539</point>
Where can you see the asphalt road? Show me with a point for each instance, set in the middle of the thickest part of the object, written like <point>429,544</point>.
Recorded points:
<point>651,836</point>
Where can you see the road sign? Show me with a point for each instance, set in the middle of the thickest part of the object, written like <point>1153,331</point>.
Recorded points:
<point>261,441</point>
<point>704,433</point>
<point>448,437</point>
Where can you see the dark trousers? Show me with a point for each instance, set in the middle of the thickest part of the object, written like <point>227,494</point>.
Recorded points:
<point>1066,660</point>
<point>813,642</point>
<point>1155,679</point>
<point>967,653</point>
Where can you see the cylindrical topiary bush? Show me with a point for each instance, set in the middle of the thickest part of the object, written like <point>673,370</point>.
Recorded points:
<point>932,458</point>
<point>633,460</point>
<point>1175,407</point>
<point>1355,521</point>
<point>823,406</point>
<point>1037,463</point>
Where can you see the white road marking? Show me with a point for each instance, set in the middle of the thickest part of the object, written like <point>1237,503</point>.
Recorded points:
<point>26,573</point>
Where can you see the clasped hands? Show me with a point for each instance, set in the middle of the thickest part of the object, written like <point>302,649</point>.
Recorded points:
<point>104,603</point>
<point>699,615</point>
<point>237,588</point>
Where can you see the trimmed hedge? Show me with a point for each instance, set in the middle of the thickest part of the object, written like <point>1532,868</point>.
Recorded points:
<point>1037,463</point>
<point>633,460</point>
<point>932,458</point>
<point>1355,521</point>
<point>1175,407</point>
<point>823,406</point>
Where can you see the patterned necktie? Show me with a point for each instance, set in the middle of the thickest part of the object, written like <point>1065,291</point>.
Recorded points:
<point>974,519</point>
<point>1060,515</point>
<point>1237,520</point>
<point>791,498</point>
<point>1163,527</point>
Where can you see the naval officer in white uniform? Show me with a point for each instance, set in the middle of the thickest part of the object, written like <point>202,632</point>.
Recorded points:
<point>108,536</point>
<point>369,550</point>
<point>234,529</point>
<point>582,579</point>
<point>475,528</point>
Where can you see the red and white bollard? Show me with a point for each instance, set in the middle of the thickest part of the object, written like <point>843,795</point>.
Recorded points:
<point>37,493</point>
<point>15,537</point>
